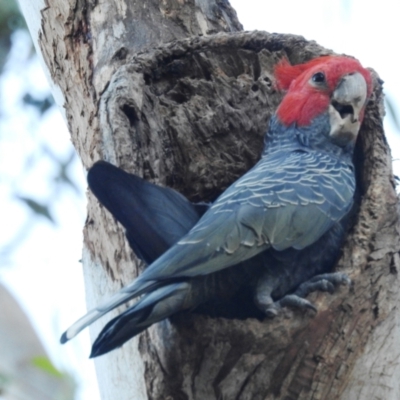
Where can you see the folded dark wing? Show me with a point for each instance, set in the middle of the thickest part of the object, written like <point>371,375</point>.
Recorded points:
<point>289,199</point>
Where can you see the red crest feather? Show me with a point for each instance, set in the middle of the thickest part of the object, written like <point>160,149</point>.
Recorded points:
<point>285,73</point>
<point>303,102</point>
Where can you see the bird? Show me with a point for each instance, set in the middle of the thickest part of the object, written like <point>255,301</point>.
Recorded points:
<point>276,231</point>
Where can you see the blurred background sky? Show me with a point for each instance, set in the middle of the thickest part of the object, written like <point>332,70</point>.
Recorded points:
<point>42,184</point>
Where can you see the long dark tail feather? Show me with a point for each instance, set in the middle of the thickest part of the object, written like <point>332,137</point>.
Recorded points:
<point>151,308</point>
<point>154,217</point>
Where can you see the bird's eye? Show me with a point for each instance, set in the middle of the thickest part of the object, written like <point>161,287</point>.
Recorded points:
<point>319,77</point>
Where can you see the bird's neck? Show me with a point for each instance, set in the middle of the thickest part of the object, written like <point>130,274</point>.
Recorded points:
<point>294,137</point>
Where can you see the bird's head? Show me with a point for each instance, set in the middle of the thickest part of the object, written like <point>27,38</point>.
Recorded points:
<point>336,85</point>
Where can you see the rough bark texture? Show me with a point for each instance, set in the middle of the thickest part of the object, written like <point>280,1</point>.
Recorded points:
<point>191,114</point>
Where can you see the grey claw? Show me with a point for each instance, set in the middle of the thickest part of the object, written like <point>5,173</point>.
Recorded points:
<point>271,312</point>
<point>336,278</point>
<point>292,300</point>
<point>323,283</point>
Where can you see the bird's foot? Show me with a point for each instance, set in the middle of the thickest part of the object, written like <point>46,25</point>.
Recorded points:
<point>323,283</point>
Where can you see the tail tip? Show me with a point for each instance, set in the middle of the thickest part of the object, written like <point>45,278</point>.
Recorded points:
<point>64,338</point>
<point>98,350</point>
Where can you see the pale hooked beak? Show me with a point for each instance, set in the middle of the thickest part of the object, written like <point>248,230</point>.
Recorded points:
<point>346,108</point>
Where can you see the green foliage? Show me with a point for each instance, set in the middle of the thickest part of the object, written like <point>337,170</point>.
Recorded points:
<point>10,20</point>
<point>44,364</point>
<point>35,153</point>
<point>4,382</point>
<point>42,105</point>
<point>66,388</point>
<point>39,209</point>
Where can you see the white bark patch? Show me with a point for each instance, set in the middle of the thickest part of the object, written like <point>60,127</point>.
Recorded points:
<point>202,22</point>
<point>376,373</point>
<point>115,382</point>
<point>31,9</point>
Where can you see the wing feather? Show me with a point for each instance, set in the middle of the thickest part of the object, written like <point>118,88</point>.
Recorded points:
<point>286,200</point>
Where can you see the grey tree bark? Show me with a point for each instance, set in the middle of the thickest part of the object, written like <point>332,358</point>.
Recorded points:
<point>176,92</point>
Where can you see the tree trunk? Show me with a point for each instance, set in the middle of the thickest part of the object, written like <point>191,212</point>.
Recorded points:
<point>147,87</point>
